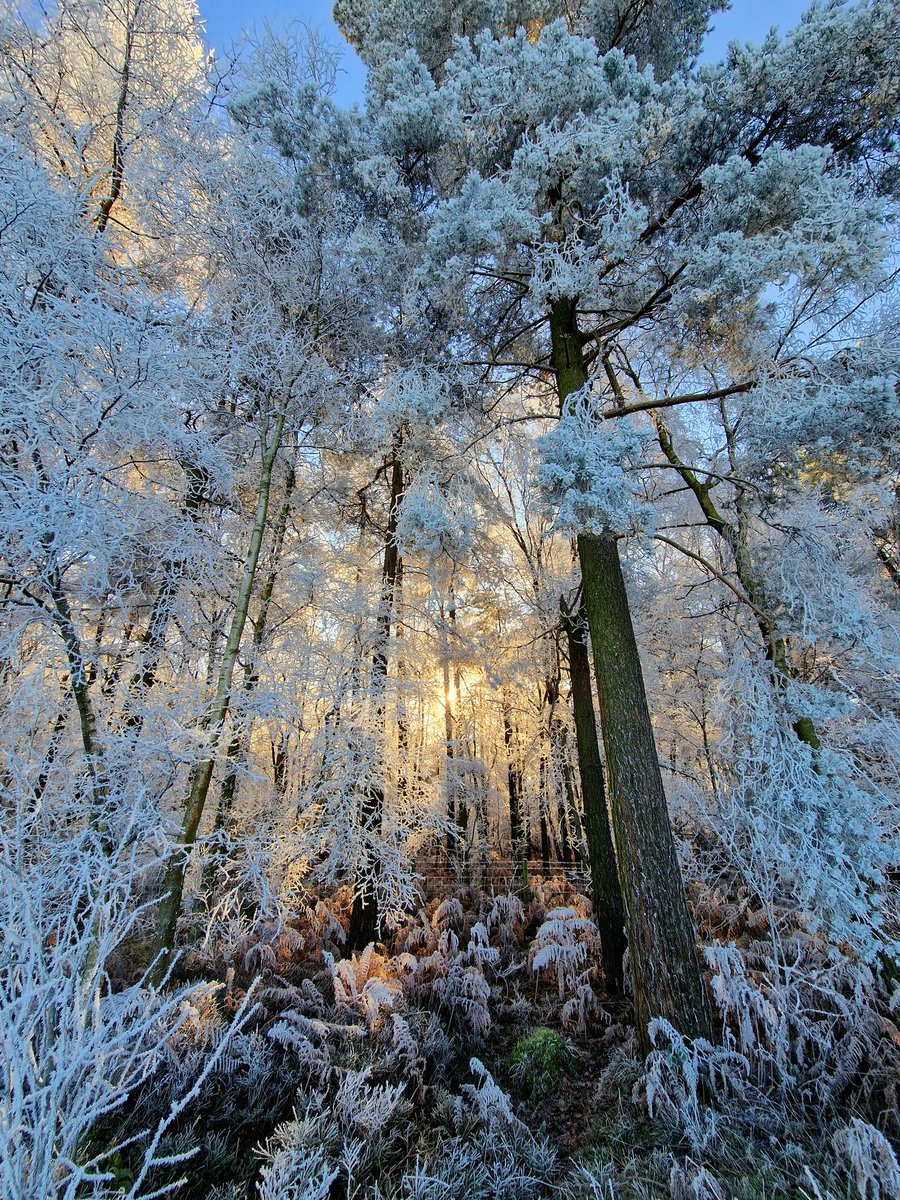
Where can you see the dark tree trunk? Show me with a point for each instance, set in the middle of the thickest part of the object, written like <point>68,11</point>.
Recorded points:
<point>665,968</point>
<point>514,790</point>
<point>609,911</point>
<point>364,913</point>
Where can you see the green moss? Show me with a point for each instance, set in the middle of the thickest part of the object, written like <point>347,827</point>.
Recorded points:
<point>539,1061</point>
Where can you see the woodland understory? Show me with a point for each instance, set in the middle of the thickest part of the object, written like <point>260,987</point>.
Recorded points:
<point>449,581</point>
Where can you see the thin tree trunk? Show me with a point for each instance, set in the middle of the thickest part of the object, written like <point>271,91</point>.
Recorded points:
<point>457,813</point>
<point>609,910</point>
<point>449,774</point>
<point>364,913</point>
<point>665,967</point>
<point>402,714</point>
<point>201,776</point>
<point>117,166</point>
<point>79,673</point>
<point>251,677</point>
<point>557,766</point>
<point>545,843</point>
<point>53,746</point>
<point>572,819</point>
<point>79,684</point>
<point>514,792</point>
<point>735,537</point>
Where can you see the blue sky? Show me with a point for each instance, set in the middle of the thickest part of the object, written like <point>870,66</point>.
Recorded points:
<point>746,21</point>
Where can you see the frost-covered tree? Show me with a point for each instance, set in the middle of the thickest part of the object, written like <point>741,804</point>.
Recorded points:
<point>112,94</point>
<point>283,316</point>
<point>588,184</point>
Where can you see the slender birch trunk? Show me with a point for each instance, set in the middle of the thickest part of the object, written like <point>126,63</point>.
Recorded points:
<point>251,677</point>
<point>213,724</point>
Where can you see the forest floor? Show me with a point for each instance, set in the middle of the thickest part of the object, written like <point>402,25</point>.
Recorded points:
<point>444,1064</point>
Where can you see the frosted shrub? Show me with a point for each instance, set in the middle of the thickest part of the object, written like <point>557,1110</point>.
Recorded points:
<point>490,1101</point>
<point>562,944</point>
<point>686,1078</point>
<point>507,916</point>
<point>302,1038</point>
<point>449,916</point>
<point>869,1159</point>
<point>463,992</point>
<point>483,1151</point>
<point>73,1050</point>
<point>803,827</point>
<point>368,1108</point>
<point>457,1169</point>
<point>290,1174</point>
<point>565,944</point>
<point>344,1135</point>
<point>694,1183</point>
<point>806,1023</point>
<point>362,985</point>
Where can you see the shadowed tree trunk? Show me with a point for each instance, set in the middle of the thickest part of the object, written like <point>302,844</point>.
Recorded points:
<point>609,911</point>
<point>514,791</point>
<point>364,913</point>
<point>453,702</point>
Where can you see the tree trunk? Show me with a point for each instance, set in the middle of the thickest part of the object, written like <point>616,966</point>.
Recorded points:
<point>457,812</point>
<point>609,910</point>
<point>80,674</point>
<point>201,776</point>
<point>558,767</point>
<point>518,852</point>
<point>251,678</point>
<point>735,537</point>
<point>449,766</point>
<point>364,913</point>
<point>665,968</point>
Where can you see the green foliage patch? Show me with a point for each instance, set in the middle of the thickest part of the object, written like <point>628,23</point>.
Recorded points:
<point>539,1061</point>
